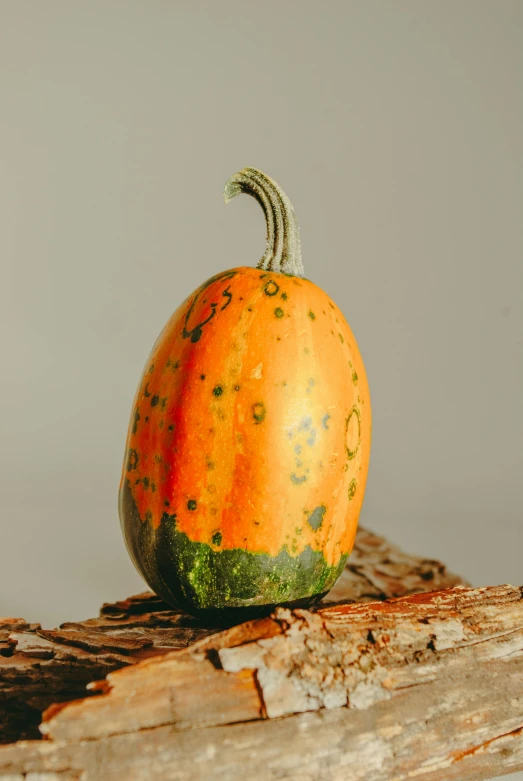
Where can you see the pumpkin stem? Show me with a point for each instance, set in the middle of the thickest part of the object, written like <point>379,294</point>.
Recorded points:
<point>283,252</point>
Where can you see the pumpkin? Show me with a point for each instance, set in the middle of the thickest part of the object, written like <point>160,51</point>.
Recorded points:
<point>248,446</point>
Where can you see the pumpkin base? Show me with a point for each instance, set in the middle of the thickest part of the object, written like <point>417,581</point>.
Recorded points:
<point>225,585</point>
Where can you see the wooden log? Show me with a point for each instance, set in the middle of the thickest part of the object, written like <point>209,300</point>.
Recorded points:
<point>40,667</point>
<point>428,686</point>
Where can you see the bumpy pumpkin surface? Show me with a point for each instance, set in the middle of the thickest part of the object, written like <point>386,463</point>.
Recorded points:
<point>249,440</point>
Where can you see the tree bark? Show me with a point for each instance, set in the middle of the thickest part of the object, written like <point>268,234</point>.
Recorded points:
<point>382,681</point>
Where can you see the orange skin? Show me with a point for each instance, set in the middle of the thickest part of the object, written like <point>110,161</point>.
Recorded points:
<point>253,411</point>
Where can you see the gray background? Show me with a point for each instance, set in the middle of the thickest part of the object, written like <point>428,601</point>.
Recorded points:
<point>397,130</point>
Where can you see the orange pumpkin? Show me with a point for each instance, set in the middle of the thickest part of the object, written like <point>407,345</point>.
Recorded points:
<point>248,447</point>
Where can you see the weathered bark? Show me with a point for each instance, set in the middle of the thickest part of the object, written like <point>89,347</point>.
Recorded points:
<point>427,686</point>
<point>39,667</point>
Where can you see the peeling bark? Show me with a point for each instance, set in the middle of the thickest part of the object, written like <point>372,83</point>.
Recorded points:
<point>40,667</point>
<point>426,686</point>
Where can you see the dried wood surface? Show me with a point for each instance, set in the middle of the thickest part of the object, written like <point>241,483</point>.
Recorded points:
<point>427,686</point>
<point>39,667</point>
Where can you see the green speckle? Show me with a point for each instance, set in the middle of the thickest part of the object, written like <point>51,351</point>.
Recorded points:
<point>236,387</point>
<point>354,378</point>
<point>258,412</point>
<point>342,340</point>
<point>352,489</point>
<point>216,538</point>
<point>146,391</point>
<point>312,315</point>
<point>278,312</point>
<point>311,439</point>
<point>315,519</point>
<point>218,390</point>
<point>354,411</point>
<point>135,420</point>
<point>195,333</point>
<point>170,428</point>
<point>191,504</point>
<point>155,399</point>
<point>297,480</point>
<point>271,288</point>
<point>151,368</point>
<point>305,424</point>
<point>132,460</point>
<point>284,296</point>
<point>325,420</point>
<point>202,376</point>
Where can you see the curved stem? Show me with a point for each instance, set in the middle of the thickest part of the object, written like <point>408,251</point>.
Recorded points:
<point>283,251</point>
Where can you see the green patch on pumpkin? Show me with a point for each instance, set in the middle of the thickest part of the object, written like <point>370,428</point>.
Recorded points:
<point>221,584</point>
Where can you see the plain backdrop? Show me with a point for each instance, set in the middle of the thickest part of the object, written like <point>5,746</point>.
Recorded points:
<point>397,130</point>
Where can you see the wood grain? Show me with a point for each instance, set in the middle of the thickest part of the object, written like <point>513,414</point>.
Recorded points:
<point>426,685</point>
<point>40,667</point>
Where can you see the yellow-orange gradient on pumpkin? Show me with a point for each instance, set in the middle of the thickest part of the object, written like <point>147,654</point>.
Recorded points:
<point>251,424</point>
